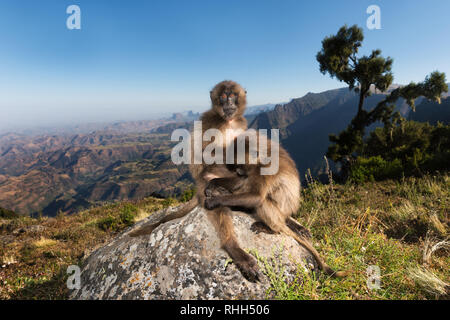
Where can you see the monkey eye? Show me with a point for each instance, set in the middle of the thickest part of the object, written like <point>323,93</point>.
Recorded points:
<point>223,96</point>
<point>232,95</point>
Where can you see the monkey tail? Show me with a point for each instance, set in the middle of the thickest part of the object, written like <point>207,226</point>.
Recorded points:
<point>308,246</point>
<point>184,210</point>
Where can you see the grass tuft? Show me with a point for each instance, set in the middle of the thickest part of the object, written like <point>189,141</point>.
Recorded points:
<point>44,242</point>
<point>429,282</point>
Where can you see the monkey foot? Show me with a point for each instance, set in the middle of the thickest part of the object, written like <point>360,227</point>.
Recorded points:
<point>214,191</point>
<point>260,226</point>
<point>246,264</point>
<point>248,267</point>
<point>211,203</point>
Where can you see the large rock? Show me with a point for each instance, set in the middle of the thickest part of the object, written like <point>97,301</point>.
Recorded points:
<point>182,259</point>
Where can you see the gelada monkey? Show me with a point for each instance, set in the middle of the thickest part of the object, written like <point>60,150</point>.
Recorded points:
<point>273,197</point>
<point>228,100</point>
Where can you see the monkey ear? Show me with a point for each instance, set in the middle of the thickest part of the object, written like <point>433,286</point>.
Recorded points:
<point>211,94</point>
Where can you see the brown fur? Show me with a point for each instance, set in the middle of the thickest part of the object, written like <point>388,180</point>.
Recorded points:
<point>202,173</point>
<point>215,119</point>
<point>273,197</point>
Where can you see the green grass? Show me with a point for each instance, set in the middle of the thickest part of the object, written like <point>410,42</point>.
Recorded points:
<point>117,222</point>
<point>384,224</point>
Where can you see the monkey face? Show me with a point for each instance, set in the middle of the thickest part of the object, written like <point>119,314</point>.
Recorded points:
<point>228,99</point>
<point>239,169</point>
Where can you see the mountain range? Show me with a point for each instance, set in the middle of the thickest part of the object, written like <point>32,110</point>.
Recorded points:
<point>65,172</point>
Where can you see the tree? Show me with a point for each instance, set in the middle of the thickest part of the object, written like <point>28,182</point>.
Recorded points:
<point>339,58</point>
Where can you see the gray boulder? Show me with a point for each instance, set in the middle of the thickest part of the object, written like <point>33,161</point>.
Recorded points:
<point>182,259</point>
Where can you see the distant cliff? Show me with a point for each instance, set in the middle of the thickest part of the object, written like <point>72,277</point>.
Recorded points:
<point>305,123</point>
<point>432,112</point>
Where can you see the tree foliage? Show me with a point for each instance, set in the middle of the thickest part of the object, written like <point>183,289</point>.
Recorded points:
<point>339,58</point>
<point>409,148</point>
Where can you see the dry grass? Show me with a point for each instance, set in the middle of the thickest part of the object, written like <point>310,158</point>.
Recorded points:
<point>33,264</point>
<point>432,245</point>
<point>44,242</point>
<point>429,282</point>
<point>7,260</point>
<point>141,215</point>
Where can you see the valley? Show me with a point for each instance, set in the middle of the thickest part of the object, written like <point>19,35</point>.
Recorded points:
<point>46,175</point>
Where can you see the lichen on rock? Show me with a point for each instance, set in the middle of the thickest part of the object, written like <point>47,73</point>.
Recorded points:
<point>182,259</point>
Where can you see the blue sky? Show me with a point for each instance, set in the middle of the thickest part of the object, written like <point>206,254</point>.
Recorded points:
<point>135,59</point>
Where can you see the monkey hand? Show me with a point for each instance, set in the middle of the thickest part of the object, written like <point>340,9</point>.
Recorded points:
<point>212,203</point>
<point>214,190</point>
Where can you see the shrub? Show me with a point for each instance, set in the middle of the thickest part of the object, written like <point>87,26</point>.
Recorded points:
<point>7,214</point>
<point>187,195</point>
<point>127,214</point>
<point>124,219</point>
<point>375,169</point>
<point>411,148</point>
<point>169,202</point>
<point>107,223</point>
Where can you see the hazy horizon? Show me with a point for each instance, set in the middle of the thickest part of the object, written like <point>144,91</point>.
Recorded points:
<point>109,119</point>
<point>138,60</point>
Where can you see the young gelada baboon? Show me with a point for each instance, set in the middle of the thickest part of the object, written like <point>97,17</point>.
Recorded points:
<point>228,101</point>
<point>273,197</point>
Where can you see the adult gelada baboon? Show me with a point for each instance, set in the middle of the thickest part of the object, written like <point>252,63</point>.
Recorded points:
<point>273,197</point>
<point>229,101</point>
